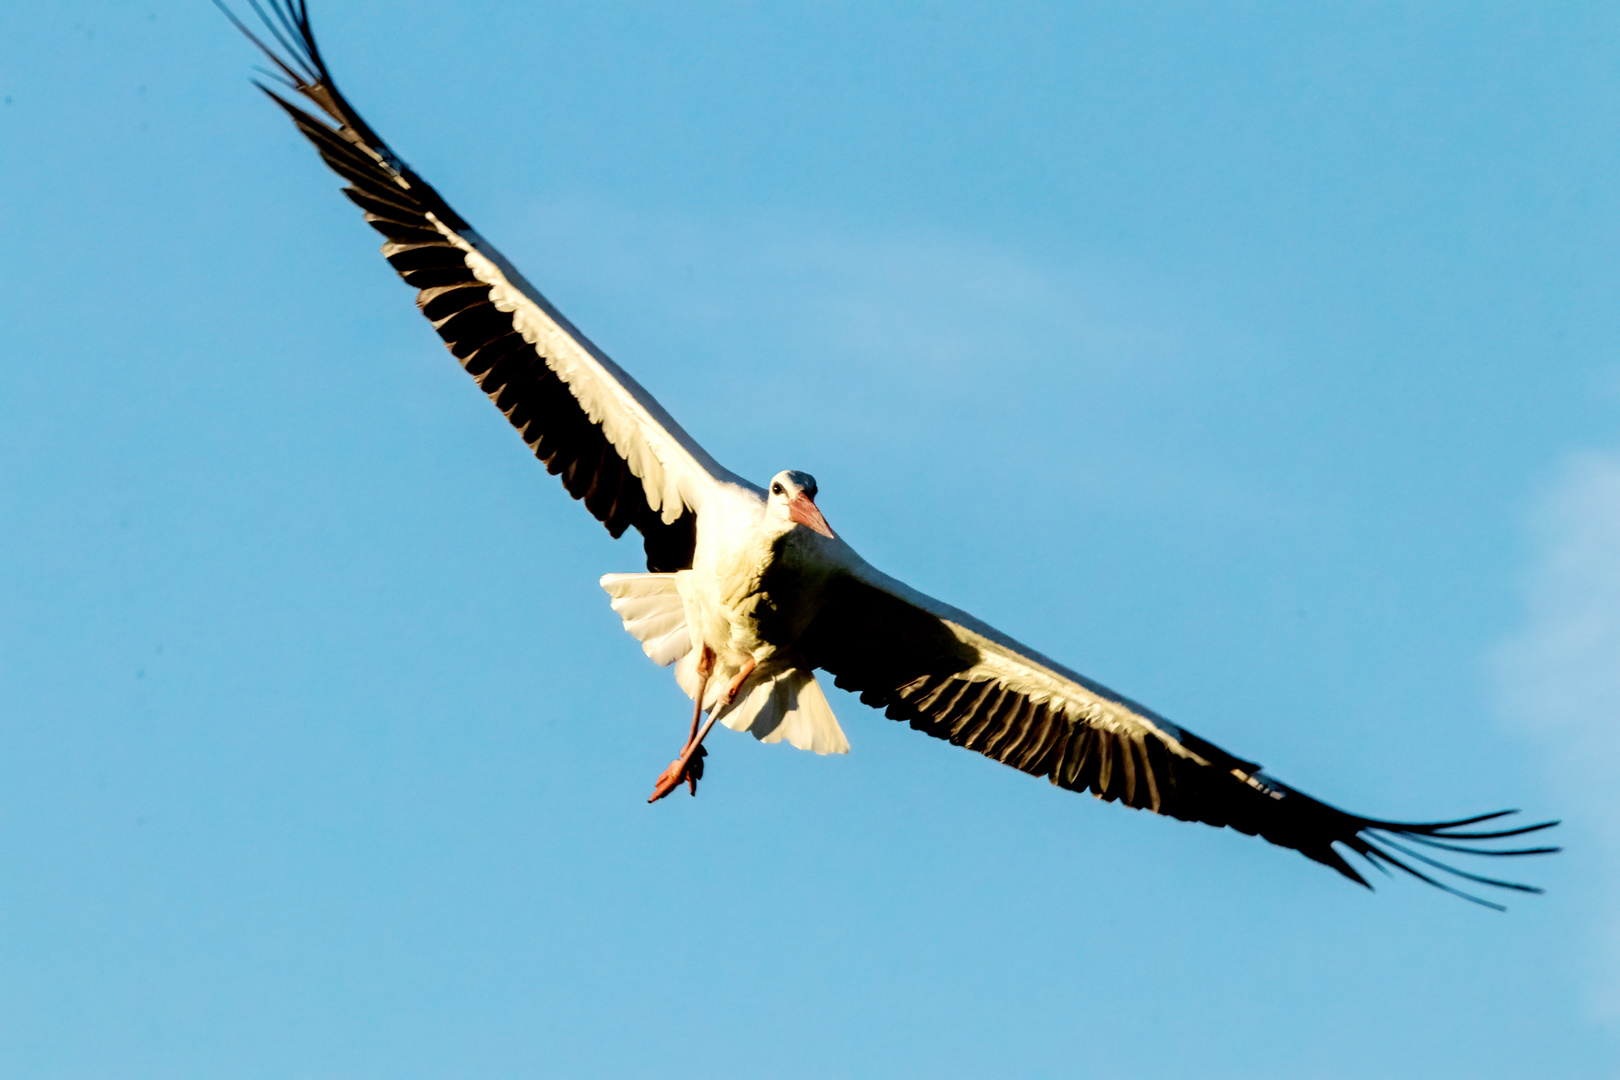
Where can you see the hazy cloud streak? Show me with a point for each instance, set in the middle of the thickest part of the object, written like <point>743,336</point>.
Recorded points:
<point>1559,678</point>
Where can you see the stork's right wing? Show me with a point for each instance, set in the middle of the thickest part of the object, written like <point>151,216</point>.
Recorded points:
<point>589,422</point>
<point>955,678</point>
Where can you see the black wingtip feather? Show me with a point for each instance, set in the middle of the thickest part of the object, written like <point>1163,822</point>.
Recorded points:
<point>299,116</point>
<point>1428,841</point>
<point>301,62</point>
<point>1460,822</point>
<point>1383,845</point>
<point>1331,857</point>
<point>298,55</point>
<point>1438,865</point>
<point>1495,835</point>
<point>1373,850</point>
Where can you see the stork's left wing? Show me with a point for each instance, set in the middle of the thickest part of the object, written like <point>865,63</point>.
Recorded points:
<point>613,445</point>
<point>955,678</point>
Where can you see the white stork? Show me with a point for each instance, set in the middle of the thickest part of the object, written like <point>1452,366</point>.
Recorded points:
<point>749,590</point>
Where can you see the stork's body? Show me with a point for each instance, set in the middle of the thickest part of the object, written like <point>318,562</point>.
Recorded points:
<point>748,592</point>
<point>760,572</point>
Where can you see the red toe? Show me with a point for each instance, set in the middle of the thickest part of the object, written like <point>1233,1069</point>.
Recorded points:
<point>668,781</point>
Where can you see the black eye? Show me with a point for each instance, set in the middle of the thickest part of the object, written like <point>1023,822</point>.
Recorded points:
<point>776,489</point>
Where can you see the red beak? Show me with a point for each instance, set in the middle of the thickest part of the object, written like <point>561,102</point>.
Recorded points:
<point>802,510</point>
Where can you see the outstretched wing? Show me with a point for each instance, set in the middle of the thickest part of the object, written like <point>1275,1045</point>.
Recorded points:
<point>612,444</point>
<point>955,678</point>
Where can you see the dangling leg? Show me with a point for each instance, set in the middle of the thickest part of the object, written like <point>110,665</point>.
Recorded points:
<point>705,668</point>
<point>679,769</point>
<point>736,684</point>
<point>684,767</point>
<point>694,766</point>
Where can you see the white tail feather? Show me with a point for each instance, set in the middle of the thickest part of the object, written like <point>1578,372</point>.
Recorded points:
<point>788,706</point>
<point>653,612</point>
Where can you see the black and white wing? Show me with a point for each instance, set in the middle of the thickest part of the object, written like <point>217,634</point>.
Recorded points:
<point>955,678</point>
<point>590,423</point>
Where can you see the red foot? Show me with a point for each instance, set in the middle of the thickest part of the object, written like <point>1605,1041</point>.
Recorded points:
<point>669,780</point>
<point>688,768</point>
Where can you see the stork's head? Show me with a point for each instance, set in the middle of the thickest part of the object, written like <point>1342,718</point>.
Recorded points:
<point>792,499</point>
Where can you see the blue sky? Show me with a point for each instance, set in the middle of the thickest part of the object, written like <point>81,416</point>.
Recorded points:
<point>1261,361</point>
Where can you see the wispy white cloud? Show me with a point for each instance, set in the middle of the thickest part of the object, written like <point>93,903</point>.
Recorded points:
<point>1559,674</point>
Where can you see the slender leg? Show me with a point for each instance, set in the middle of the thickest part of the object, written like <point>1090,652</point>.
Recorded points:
<point>680,768</point>
<point>671,778</point>
<point>705,668</point>
<point>736,684</point>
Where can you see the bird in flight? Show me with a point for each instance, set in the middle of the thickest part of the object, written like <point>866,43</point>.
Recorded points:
<point>749,591</point>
